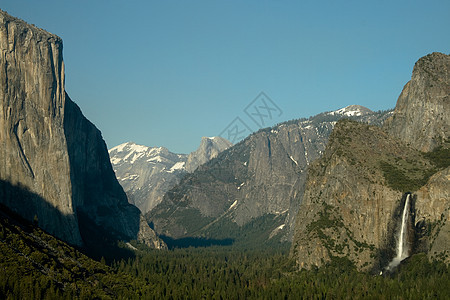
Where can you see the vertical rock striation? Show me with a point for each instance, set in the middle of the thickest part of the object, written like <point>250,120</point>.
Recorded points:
<point>255,186</point>
<point>433,208</point>
<point>209,148</point>
<point>353,197</point>
<point>347,206</point>
<point>421,117</point>
<point>49,149</point>
<point>33,145</point>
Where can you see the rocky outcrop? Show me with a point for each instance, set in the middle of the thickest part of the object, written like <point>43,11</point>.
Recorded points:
<point>421,117</point>
<point>49,149</point>
<point>257,183</point>
<point>433,209</point>
<point>33,143</point>
<point>147,173</point>
<point>353,198</point>
<point>209,148</point>
<point>349,206</point>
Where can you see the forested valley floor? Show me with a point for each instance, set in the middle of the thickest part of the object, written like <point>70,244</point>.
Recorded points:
<point>35,265</point>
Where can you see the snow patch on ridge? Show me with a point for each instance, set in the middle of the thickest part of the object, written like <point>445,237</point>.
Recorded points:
<point>178,166</point>
<point>233,205</point>
<point>276,230</point>
<point>118,148</point>
<point>293,160</point>
<point>351,111</point>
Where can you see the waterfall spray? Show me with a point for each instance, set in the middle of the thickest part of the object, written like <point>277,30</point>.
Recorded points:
<point>402,242</point>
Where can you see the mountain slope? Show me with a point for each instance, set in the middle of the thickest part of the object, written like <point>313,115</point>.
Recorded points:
<point>147,173</point>
<point>257,182</point>
<point>349,203</point>
<point>54,163</point>
<point>209,148</point>
<point>36,265</point>
<point>356,193</point>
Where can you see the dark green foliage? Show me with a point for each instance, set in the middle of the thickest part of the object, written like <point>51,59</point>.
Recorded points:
<point>223,273</point>
<point>35,265</point>
<point>96,239</point>
<point>408,175</point>
<point>440,157</point>
<point>250,235</point>
<point>330,219</point>
<point>397,178</point>
<point>381,159</point>
<point>54,270</point>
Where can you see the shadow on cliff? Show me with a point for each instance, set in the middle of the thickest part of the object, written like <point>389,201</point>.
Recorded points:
<point>36,211</point>
<point>32,207</point>
<point>104,214</point>
<point>20,196</point>
<point>99,242</point>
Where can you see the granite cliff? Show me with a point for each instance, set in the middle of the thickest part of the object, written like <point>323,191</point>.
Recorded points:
<point>421,115</point>
<point>209,148</point>
<point>433,213</point>
<point>356,192</point>
<point>251,192</point>
<point>54,164</point>
<point>352,199</point>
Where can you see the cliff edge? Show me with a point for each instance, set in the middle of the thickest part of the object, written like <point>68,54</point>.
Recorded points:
<point>50,152</point>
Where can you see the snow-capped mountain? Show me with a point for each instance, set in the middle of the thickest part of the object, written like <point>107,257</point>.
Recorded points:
<point>352,111</point>
<point>147,173</point>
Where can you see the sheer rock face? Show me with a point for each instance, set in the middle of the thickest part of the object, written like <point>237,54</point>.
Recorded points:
<point>349,210</point>
<point>347,207</point>
<point>48,148</point>
<point>33,144</point>
<point>353,196</point>
<point>209,148</point>
<point>433,207</point>
<point>421,115</point>
<point>261,179</point>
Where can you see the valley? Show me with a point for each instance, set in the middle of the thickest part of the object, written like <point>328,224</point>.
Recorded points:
<point>350,203</point>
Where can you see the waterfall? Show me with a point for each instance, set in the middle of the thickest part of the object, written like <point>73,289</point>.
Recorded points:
<point>402,241</point>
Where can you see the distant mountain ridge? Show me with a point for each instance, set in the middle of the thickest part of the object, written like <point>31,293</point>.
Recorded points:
<point>260,181</point>
<point>147,173</point>
<point>209,148</point>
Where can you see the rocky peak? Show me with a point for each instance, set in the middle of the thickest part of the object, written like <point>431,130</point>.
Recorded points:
<point>421,115</point>
<point>352,111</point>
<point>131,153</point>
<point>209,148</point>
<point>147,173</point>
<point>353,200</point>
<point>54,164</point>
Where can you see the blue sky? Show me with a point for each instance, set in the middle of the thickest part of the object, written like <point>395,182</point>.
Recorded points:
<point>166,73</point>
